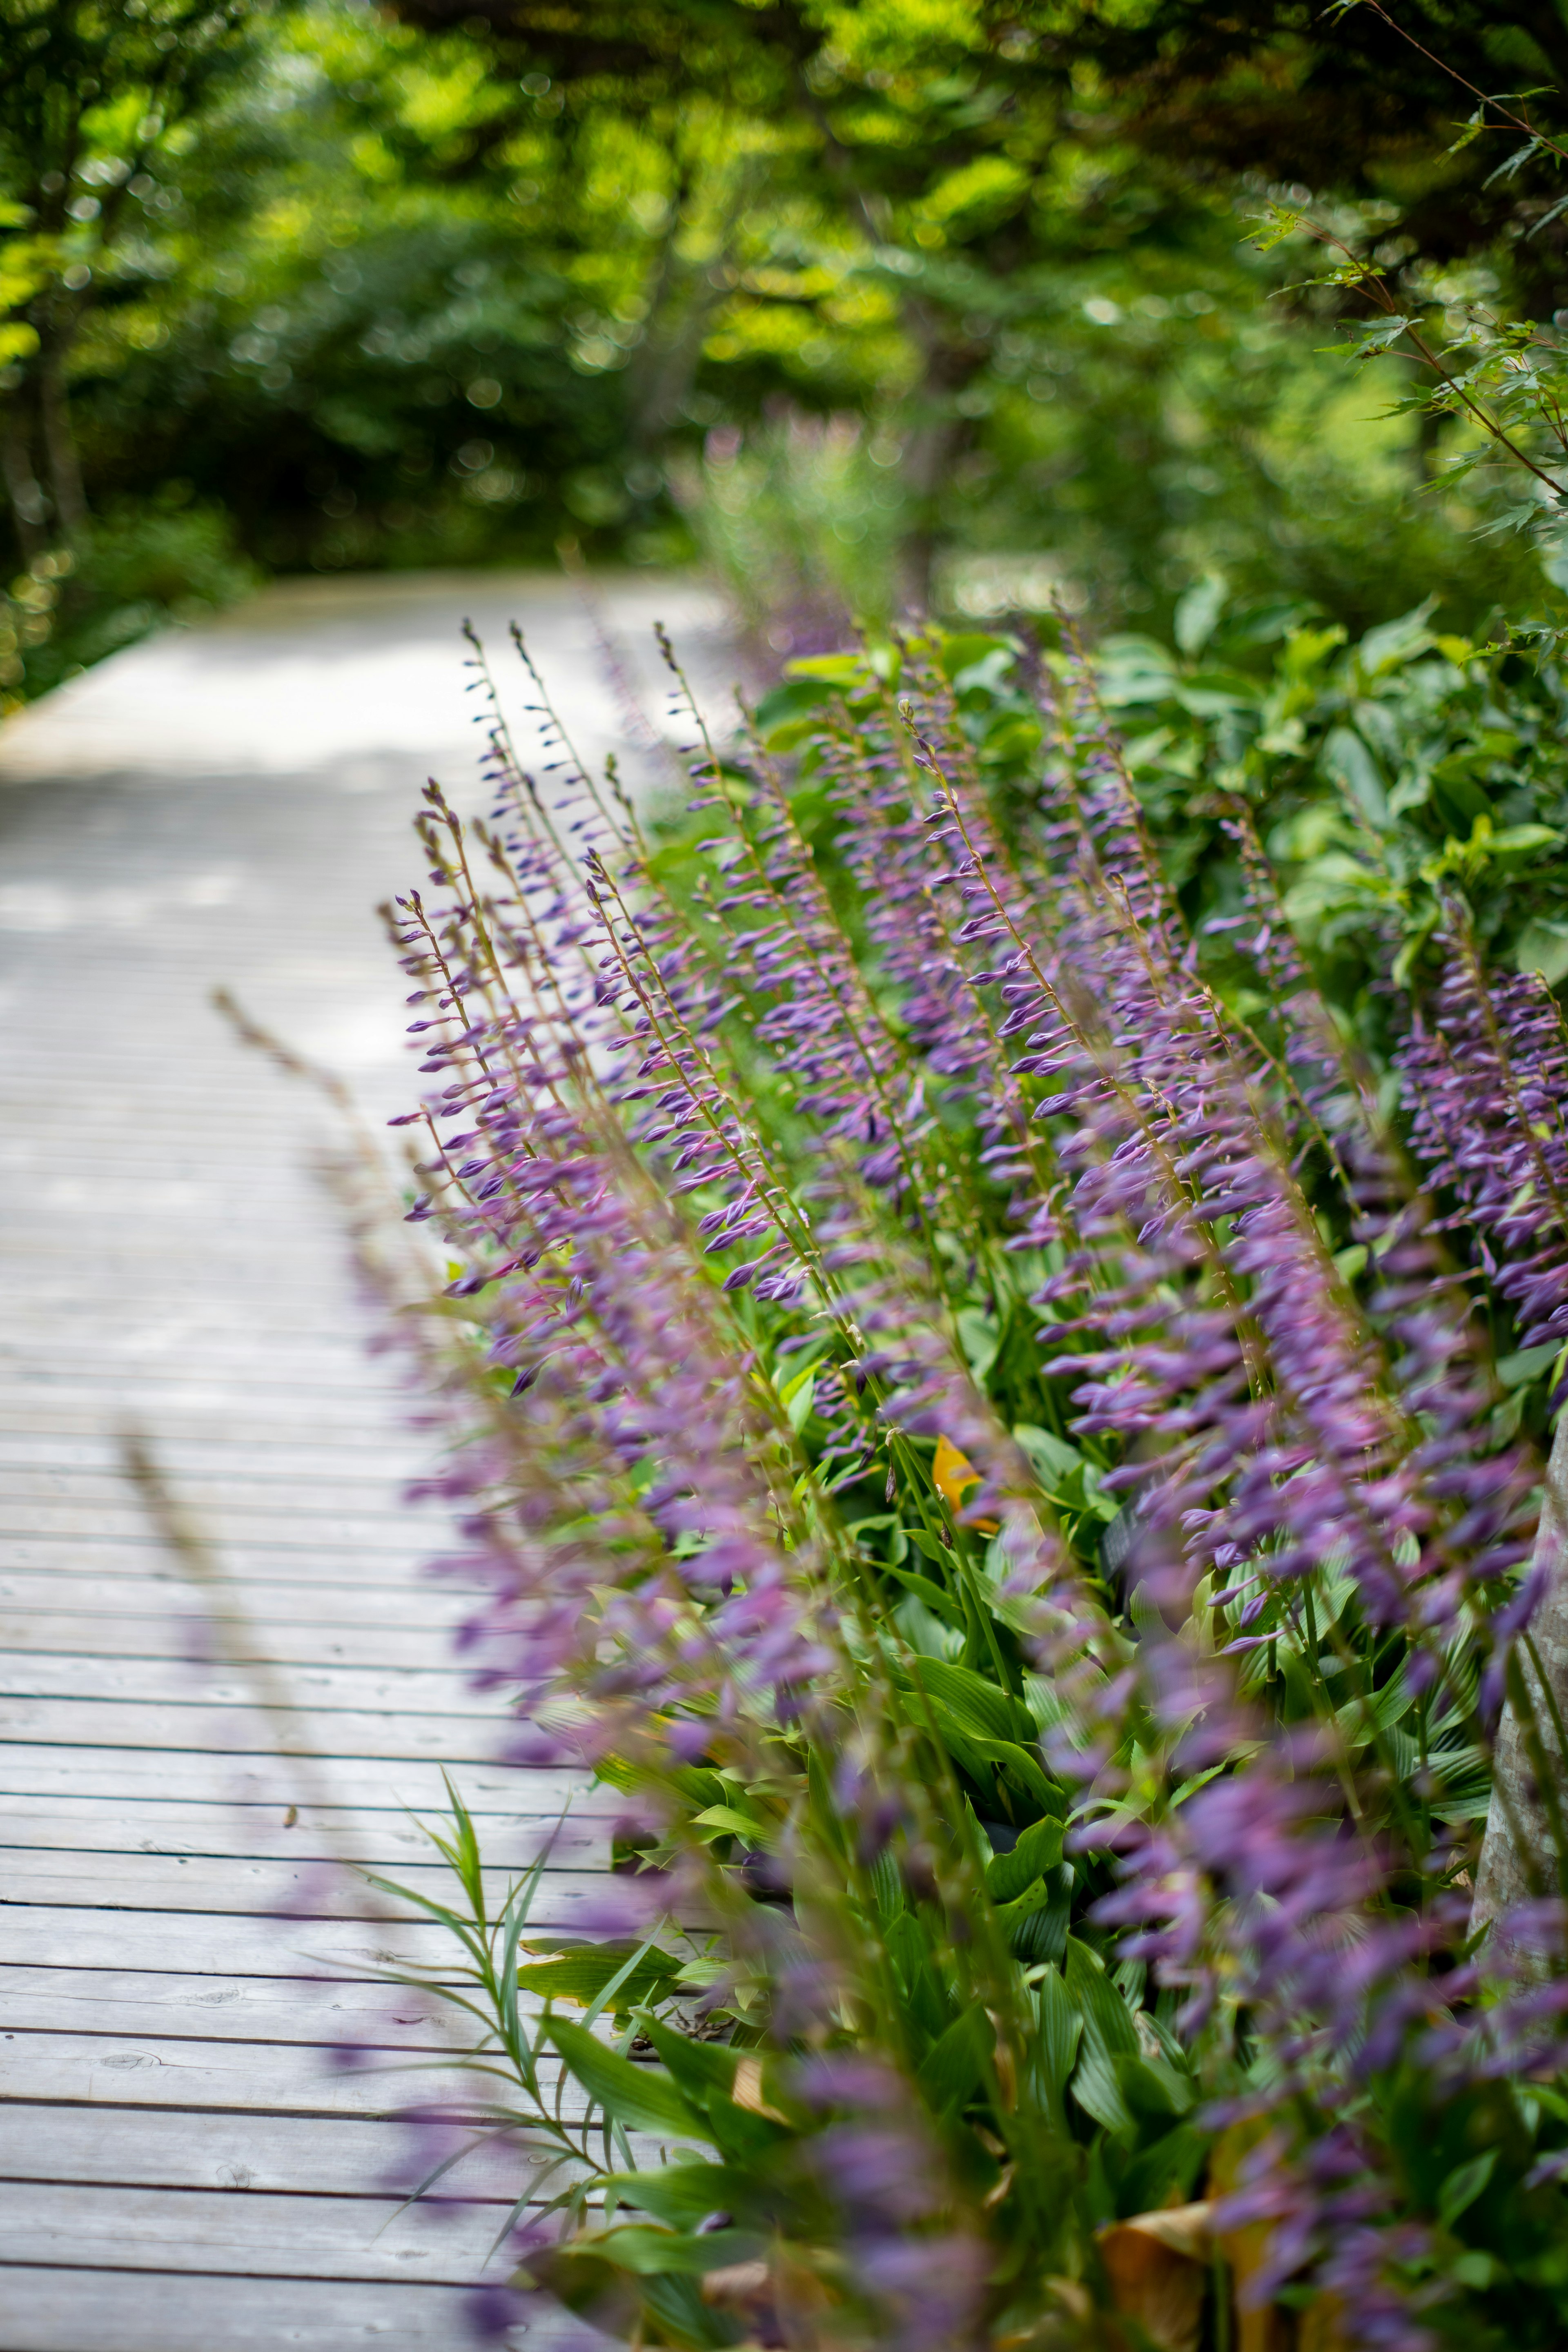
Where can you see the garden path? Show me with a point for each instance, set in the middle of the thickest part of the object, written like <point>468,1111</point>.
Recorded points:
<point>182,2166</point>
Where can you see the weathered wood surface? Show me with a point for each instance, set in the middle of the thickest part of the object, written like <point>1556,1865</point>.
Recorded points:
<point>262,1777</point>
<point>60,2307</point>
<point>185,2164</point>
<point>306,2155</point>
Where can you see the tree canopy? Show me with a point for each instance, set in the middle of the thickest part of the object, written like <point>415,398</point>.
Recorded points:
<point>321,287</point>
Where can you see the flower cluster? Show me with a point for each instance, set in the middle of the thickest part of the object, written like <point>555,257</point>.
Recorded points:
<point>989,1441</point>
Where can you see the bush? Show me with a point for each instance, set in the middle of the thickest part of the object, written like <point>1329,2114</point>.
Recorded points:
<point>1022,1472</point>
<point>140,569</point>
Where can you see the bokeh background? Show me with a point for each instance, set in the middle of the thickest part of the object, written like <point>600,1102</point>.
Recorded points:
<point>959,305</point>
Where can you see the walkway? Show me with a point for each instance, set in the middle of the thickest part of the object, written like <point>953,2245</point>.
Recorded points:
<point>183,2169</point>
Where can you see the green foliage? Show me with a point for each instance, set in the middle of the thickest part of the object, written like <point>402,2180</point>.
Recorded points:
<point>960,330</point>
<point>936,1839</point>
<point>1380,774</point>
<point>140,567</point>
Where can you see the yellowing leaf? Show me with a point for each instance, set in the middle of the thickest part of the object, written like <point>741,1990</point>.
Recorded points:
<point>953,1472</point>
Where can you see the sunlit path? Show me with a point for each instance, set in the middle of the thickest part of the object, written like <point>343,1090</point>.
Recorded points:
<point>183,2167</point>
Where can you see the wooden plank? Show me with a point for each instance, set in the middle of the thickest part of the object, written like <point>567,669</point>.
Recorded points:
<point>87,1371</point>
<point>132,2002</point>
<point>303,1731</point>
<point>233,1944</point>
<point>400,1691</point>
<point>322,2155</point>
<point>248,2233</point>
<point>404,1565</point>
<point>316,1832</point>
<point>260,1889</point>
<point>265,1778</point>
<point>411,1543</point>
<point>34,1600</point>
<point>289,1498</point>
<point>46,2310</point>
<point>186,1632</point>
<point>162,1313</point>
<point>257,1516</point>
<point>268,1520</point>
<point>75,1404</point>
<point>270,2078</point>
<point>344,1459</point>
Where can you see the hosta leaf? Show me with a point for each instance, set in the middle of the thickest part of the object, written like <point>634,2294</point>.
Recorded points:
<point>729,1821</point>
<point>643,2249</point>
<point>953,2069</point>
<point>1038,1849</point>
<point>1097,2092</point>
<point>682,2194</point>
<point>980,1705</point>
<point>1061,2027</point>
<point>581,1971</point>
<point>1108,2028</point>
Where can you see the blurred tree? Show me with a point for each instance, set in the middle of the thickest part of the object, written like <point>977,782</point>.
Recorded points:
<point>1354,99</point>
<point>896,132</point>
<point>985,226</point>
<point>98,99</point>
<point>437,286</point>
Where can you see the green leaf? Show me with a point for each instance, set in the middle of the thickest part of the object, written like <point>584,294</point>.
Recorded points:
<point>1513,1372</point>
<point>1038,1936</point>
<point>1198,611</point>
<point>1395,1700</point>
<point>980,1705</point>
<point>682,2194</point>
<point>1061,2027</point>
<point>697,2067</point>
<point>1166,2174</point>
<point>1039,1849</point>
<point>908,1948</point>
<point>1346,758</point>
<point>1096,2089</point>
<point>838,669</point>
<point>887,1885</point>
<point>943,1603</point>
<point>802,1397</point>
<point>980,1338</point>
<point>1052,1456</point>
<point>967,1751</point>
<point>794,699</point>
<point>1542,947</point>
<point>961,652</point>
<point>1107,2027</point>
<point>927,1544</point>
<point>1460,798</point>
<point>640,2097</point>
<point>1024,1769</point>
<point>1393,643</point>
<point>1515,840</point>
<point>732,1823</point>
<point>953,2069</point>
<point>1037,1896</point>
<point>1463,2186</point>
<point>645,2251</point>
<point>579,1972</point>
<point>1153,2088</point>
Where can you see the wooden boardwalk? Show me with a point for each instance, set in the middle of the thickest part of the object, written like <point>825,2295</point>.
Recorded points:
<point>183,2166</point>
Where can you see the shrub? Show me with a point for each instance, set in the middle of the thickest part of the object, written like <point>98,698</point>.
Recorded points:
<point>138,568</point>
